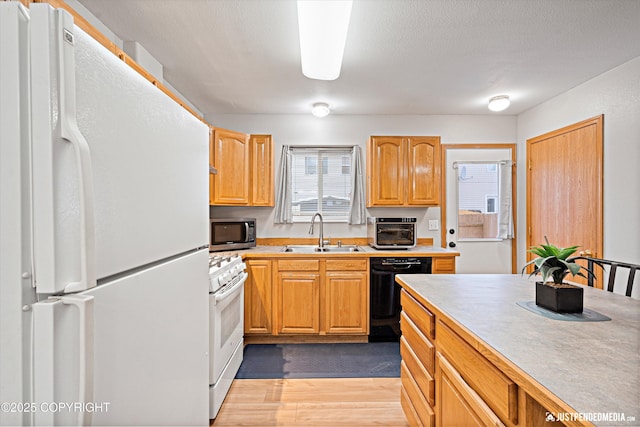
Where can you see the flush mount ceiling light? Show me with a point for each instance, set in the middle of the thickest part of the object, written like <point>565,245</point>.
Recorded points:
<point>323,29</point>
<point>499,103</point>
<point>320,109</point>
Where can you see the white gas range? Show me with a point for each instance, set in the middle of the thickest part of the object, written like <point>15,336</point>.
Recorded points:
<point>226,316</point>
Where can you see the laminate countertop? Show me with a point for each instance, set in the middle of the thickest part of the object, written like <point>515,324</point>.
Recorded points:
<point>594,367</point>
<point>365,251</point>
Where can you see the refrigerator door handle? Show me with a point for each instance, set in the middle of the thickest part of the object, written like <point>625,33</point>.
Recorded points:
<point>70,132</point>
<point>84,304</point>
<point>46,372</point>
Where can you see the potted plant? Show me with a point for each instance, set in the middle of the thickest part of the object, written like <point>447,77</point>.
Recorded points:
<point>556,263</point>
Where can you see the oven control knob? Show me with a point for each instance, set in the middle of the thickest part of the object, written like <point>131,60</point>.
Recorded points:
<point>224,278</point>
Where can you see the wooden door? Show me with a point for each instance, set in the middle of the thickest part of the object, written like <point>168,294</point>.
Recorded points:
<point>346,302</point>
<point>565,188</point>
<point>423,170</point>
<point>257,297</point>
<point>231,157</point>
<point>262,191</point>
<point>385,171</point>
<point>298,300</point>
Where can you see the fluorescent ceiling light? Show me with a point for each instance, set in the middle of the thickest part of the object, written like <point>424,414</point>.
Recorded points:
<point>320,109</point>
<point>499,103</point>
<point>323,29</point>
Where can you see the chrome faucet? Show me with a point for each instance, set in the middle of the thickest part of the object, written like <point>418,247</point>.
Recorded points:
<point>320,236</point>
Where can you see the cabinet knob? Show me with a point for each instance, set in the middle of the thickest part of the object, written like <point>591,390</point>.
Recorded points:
<point>586,253</point>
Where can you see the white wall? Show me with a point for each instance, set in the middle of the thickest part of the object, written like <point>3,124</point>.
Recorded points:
<point>355,130</point>
<point>616,94</point>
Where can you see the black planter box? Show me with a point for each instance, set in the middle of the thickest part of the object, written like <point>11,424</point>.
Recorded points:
<point>566,299</point>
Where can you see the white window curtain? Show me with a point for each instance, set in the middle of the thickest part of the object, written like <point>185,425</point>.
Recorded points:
<point>283,191</point>
<point>284,198</point>
<point>505,221</point>
<point>357,212</point>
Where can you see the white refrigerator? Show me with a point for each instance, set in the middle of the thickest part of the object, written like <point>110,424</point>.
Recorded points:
<point>103,235</point>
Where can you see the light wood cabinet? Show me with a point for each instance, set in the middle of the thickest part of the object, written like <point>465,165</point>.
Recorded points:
<point>262,190</point>
<point>448,380</point>
<point>319,297</point>
<point>244,166</point>
<point>459,404</point>
<point>403,171</point>
<point>230,156</point>
<point>258,307</point>
<point>346,299</point>
<point>443,265</point>
<point>297,294</point>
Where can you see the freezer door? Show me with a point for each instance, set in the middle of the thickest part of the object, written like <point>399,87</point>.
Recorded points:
<point>149,344</point>
<point>120,170</point>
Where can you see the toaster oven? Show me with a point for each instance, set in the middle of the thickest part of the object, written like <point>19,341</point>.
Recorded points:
<point>391,233</point>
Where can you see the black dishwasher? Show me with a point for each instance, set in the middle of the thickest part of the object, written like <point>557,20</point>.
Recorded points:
<point>384,304</point>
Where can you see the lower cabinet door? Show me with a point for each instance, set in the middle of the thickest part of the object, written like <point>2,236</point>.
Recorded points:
<point>298,303</point>
<point>459,404</point>
<point>257,298</point>
<point>346,302</point>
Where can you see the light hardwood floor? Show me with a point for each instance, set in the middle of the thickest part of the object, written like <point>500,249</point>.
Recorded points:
<point>313,402</point>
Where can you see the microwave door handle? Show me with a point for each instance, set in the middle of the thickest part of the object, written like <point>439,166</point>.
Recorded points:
<point>246,231</point>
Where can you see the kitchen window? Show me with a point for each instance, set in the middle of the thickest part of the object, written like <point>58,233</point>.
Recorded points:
<point>327,180</point>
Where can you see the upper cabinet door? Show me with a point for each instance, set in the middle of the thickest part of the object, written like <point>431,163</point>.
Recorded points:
<point>385,171</point>
<point>423,170</point>
<point>231,157</point>
<point>261,170</point>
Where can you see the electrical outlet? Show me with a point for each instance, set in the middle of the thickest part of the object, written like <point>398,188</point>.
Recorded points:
<point>433,224</point>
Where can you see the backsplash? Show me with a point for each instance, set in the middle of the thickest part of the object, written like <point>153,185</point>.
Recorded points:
<point>266,227</point>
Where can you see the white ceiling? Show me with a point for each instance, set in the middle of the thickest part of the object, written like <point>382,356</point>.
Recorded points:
<point>401,56</point>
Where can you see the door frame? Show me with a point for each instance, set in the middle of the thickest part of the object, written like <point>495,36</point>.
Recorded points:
<point>443,192</point>
<point>598,121</point>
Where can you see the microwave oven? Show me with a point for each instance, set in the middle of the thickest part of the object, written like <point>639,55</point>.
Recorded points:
<point>391,233</point>
<point>227,234</point>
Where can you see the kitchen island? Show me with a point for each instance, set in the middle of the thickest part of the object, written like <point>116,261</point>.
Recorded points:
<point>468,346</point>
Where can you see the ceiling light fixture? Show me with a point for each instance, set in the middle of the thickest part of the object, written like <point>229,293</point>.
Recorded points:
<point>323,29</point>
<point>320,109</point>
<point>499,103</point>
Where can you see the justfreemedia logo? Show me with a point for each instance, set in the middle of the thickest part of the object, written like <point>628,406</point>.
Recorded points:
<point>589,416</point>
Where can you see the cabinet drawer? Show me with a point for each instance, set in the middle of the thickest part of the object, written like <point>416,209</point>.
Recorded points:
<point>423,318</point>
<point>298,265</point>
<point>421,346</point>
<point>346,264</point>
<point>408,409</point>
<point>497,390</point>
<point>443,265</point>
<point>425,381</point>
<point>465,406</point>
<point>425,413</point>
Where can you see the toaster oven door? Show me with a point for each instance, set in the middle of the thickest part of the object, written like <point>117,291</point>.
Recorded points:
<point>394,235</point>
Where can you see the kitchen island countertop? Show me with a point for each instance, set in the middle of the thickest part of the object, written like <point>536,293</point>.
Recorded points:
<point>594,367</point>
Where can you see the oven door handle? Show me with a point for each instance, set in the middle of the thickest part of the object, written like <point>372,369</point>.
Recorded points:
<point>232,291</point>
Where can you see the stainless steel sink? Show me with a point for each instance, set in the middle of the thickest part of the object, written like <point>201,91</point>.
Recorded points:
<point>306,249</point>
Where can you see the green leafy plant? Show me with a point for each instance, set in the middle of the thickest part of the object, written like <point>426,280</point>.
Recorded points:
<point>555,262</point>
